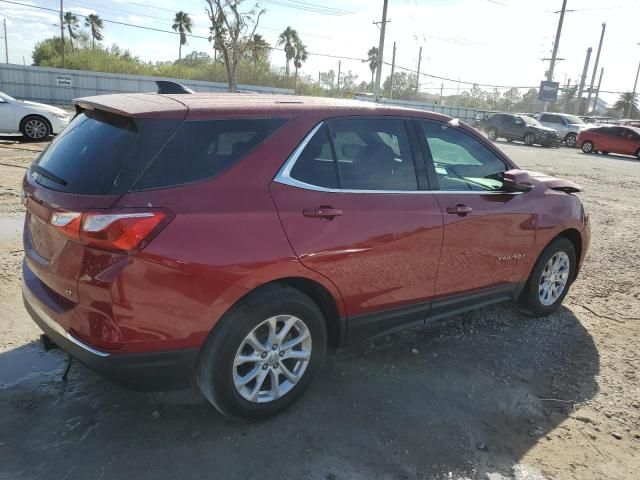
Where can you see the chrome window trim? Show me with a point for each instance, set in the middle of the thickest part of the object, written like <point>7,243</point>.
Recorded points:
<point>284,177</point>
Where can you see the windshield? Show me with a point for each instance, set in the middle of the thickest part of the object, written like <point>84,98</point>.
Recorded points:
<point>530,121</point>
<point>6,97</point>
<point>574,120</point>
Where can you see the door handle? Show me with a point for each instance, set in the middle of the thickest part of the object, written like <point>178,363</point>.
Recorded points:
<point>460,210</point>
<point>322,212</point>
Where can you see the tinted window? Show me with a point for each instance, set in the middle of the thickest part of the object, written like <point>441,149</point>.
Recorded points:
<point>373,154</point>
<point>202,149</point>
<point>462,162</point>
<point>551,119</point>
<point>87,156</point>
<point>315,164</point>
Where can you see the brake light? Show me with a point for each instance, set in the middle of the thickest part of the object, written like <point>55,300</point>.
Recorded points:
<point>118,231</point>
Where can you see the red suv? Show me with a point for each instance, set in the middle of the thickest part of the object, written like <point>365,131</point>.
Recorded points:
<point>230,238</point>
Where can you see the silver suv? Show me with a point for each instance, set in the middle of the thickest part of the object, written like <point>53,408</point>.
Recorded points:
<point>567,126</point>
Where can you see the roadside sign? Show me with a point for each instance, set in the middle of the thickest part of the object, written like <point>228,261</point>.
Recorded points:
<point>64,81</point>
<point>548,91</point>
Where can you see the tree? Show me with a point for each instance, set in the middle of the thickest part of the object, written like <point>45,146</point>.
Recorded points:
<point>299,58</point>
<point>258,49</point>
<point>328,80</point>
<point>289,37</point>
<point>627,104</point>
<point>372,60</point>
<point>231,32</point>
<point>196,59</point>
<point>94,22</point>
<point>71,21</point>
<point>404,85</point>
<point>511,97</point>
<point>348,81</point>
<point>182,24</point>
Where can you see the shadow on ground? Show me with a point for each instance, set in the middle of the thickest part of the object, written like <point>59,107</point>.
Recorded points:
<point>463,396</point>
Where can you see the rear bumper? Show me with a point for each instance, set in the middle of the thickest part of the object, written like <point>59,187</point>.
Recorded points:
<point>154,371</point>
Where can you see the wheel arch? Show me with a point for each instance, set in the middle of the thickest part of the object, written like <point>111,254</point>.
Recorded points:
<point>30,115</point>
<point>575,238</point>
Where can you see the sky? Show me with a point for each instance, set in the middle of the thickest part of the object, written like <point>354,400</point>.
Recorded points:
<point>498,42</point>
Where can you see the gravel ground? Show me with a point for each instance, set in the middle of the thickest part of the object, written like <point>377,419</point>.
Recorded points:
<point>491,394</point>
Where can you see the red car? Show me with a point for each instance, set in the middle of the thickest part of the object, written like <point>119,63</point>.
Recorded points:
<point>230,238</point>
<point>611,139</point>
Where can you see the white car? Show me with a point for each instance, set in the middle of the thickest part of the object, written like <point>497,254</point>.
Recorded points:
<point>36,121</point>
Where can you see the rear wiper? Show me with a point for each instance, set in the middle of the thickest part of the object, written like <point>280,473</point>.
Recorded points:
<point>47,174</point>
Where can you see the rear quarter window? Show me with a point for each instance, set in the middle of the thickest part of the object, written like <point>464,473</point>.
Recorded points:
<point>203,149</point>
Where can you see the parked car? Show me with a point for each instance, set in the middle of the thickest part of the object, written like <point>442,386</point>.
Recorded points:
<point>36,121</point>
<point>567,126</point>
<point>521,127</point>
<point>611,139</point>
<point>231,238</point>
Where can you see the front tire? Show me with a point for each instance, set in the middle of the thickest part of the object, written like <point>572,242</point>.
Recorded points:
<point>587,146</point>
<point>529,139</point>
<point>35,128</point>
<point>263,354</point>
<point>550,279</point>
<point>570,140</point>
<point>492,133</point>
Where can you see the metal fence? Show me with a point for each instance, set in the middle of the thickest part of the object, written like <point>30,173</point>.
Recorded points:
<point>60,86</point>
<point>467,115</point>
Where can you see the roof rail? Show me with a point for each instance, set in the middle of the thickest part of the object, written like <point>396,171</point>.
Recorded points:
<point>167,86</point>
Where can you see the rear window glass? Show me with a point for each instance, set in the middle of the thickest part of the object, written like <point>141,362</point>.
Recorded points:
<point>202,149</point>
<point>87,156</point>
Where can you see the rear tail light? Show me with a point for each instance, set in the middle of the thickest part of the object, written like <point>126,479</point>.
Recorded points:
<point>117,231</point>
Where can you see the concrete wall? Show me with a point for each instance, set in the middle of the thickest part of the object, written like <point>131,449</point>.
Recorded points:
<point>467,115</point>
<point>60,86</point>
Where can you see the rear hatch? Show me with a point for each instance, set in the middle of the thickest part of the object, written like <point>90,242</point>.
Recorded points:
<point>86,168</point>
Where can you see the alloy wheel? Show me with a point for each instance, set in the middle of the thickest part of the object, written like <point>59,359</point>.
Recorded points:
<point>35,129</point>
<point>529,138</point>
<point>272,359</point>
<point>571,140</point>
<point>554,278</point>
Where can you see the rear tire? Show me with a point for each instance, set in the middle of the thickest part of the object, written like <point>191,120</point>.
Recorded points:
<point>35,128</point>
<point>550,279</point>
<point>587,146</point>
<point>638,154</point>
<point>570,140</point>
<point>529,139</point>
<point>245,356</point>
<point>492,133</point>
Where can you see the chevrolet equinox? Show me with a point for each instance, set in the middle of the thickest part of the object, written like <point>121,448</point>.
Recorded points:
<point>229,238</point>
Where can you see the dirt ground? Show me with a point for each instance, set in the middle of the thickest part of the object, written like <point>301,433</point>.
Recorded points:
<point>491,394</point>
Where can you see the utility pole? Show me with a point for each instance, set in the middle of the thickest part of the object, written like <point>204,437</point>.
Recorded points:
<point>583,80</point>
<point>635,86</point>
<point>595,67</point>
<point>556,44</point>
<point>383,25</point>
<point>6,42</point>
<point>441,88</point>
<point>566,94</point>
<point>62,32</point>
<point>393,67</point>
<point>418,74</point>
<point>595,102</point>
<point>338,81</point>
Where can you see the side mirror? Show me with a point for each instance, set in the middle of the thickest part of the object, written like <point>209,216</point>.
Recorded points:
<point>517,181</point>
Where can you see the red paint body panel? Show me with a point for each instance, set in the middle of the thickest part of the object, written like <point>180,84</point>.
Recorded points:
<point>239,230</point>
<point>382,252</point>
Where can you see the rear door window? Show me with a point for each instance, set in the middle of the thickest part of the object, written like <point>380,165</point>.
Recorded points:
<point>88,155</point>
<point>203,149</point>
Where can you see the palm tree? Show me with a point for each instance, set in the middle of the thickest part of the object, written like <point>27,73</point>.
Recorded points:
<point>182,24</point>
<point>71,21</point>
<point>258,49</point>
<point>288,38</point>
<point>299,58</point>
<point>627,104</point>
<point>372,59</point>
<point>94,22</point>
